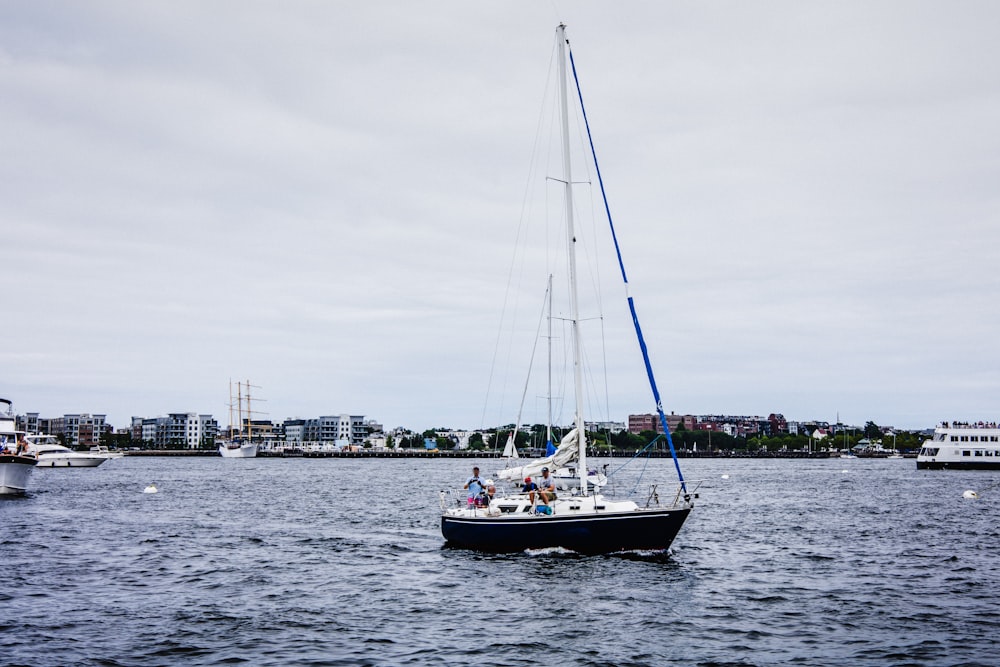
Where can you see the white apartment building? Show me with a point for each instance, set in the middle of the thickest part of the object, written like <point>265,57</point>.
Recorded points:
<point>341,429</point>
<point>188,430</point>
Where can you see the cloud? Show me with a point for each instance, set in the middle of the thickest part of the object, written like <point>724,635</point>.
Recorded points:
<point>324,198</point>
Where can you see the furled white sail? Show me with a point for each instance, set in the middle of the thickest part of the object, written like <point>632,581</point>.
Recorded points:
<point>566,453</point>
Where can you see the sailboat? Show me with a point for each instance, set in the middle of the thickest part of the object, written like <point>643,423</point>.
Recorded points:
<point>239,446</point>
<point>584,520</point>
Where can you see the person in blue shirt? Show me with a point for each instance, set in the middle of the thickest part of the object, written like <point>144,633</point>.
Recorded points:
<point>529,487</point>
<point>475,486</point>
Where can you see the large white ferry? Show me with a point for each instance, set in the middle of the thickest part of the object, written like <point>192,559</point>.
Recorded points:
<point>962,446</point>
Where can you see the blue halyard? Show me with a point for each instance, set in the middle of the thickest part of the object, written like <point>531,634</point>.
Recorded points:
<point>621,265</point>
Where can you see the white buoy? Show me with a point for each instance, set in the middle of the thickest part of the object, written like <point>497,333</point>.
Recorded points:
<point>725,477</point>
<point>150,489</point>
<point>845,471</point>
<point>970,494</point>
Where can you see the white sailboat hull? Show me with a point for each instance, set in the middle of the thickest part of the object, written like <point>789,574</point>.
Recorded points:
<point>246,451</point>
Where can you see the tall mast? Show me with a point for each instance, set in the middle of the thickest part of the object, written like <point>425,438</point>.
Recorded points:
<point>571,242</point>
<point>239,403</point>
<point>230,409</point>
<point>249,434</point>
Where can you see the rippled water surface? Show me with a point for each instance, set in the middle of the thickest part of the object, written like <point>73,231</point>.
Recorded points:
<point>341,562</point>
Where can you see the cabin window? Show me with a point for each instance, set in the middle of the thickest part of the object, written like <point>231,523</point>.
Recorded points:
<point>993,438</point>
<point>988,453</point>
<point>974,438</point>
<point>964,438</point>
<point>954,438</point>
<point>979,452</point>
<point>966,452</point>
<point>929,451</point>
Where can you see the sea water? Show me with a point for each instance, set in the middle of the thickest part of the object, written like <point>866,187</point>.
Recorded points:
<point>341,562</point>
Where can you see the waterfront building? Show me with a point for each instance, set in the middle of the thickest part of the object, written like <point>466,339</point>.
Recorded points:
<point>178,430</point>
<point>639,423</point>
<point>605,427</point>
<point>460,439</point>
<point>342,429</point>
<point>28,422</point>
<point>81,430</point>
<point>777,424</point>
<point>135,430</point>
<point>295,430</point>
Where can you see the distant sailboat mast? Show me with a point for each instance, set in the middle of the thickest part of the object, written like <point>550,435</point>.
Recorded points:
<point>239,404</point>
<point>230,409</point>
<point>249,437</point>
<point>571,241</point>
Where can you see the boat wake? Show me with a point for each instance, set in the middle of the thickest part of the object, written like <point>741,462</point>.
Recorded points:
<point>551,551</point>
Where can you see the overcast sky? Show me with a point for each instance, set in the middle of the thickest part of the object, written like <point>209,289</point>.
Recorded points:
<point>323,198</point>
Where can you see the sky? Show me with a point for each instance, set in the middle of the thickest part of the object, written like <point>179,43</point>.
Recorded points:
<point>324,198</point>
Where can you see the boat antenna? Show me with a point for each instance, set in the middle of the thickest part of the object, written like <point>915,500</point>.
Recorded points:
<point>621,265</point>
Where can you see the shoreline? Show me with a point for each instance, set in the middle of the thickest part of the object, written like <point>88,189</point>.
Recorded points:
<point>417,454</point>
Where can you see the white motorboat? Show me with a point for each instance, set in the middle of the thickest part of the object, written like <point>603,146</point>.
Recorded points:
<point>107,453</point>
<point>15,463</point>
<point>582,520</point>
<point>51,454</point>
<point>962,446</point>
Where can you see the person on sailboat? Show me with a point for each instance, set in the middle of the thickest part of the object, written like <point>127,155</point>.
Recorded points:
<point>475,486</point>
<point>529,487</point>
<point>546,487</point>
